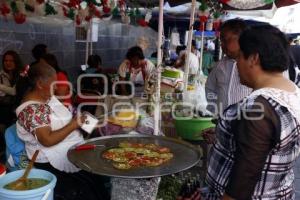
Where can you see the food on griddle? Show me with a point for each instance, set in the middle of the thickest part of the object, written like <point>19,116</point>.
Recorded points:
<point>132,155</point>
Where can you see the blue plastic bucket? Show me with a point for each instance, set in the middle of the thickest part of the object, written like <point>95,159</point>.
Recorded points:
<point>45,192</point>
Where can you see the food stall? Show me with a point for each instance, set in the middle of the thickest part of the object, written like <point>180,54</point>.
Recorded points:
<point>89,156</point>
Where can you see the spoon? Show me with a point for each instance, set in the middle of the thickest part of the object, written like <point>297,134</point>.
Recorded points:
<point>20,184</point>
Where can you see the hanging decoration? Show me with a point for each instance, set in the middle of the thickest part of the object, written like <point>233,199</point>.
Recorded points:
<point>203,14</point>
<point>144,22</point>
<point>249,4</point>
<point>106,6</point>
<point>78,20</point>
<point>29,8</point>
<point>19,17</point>
<point>77,10</point>
<point>4,9</point>
<point>217,12</point>
<point>40,1</point>
<point>49,9</point>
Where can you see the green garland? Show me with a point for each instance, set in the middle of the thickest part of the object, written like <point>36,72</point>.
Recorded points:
<point>49,10</point>
<point>71,14</point>
<point>203,6</point>
<point>268,1</point>
<point>14,8</point>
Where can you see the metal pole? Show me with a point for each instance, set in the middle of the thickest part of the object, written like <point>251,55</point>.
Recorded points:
<point>189,47</point>
<point>88,35</point>
<point>201,50</point>
<point>159,62</point>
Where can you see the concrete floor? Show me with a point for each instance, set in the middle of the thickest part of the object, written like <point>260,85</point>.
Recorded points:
<point>297,178</point>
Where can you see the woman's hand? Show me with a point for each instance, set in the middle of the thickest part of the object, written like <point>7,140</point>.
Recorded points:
<point>78,121</point>
<point>209,135</point>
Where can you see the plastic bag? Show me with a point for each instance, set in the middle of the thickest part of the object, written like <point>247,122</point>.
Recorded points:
<point>196,98</point>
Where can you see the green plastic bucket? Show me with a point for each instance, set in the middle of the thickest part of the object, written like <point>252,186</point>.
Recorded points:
<point>190,129</point>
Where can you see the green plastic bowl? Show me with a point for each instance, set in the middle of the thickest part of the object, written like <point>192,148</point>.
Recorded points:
<point>170,73</point>
<point>190,129</point>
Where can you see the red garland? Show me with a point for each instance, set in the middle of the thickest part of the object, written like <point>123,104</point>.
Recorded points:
<point>224,1</point>
<point>121,3</point>
<point>216,26</point>
<point>4,9</point>
<point>142,22</point>
<point>106,9</point>
<point>72,3</point>
<point>40,1</point>
<point>97,13</point>
<point>94,11</point>
<point>65,11</point>
<point>203,18</point>
<point>78,21</point>
<point>19,17</point>
<point>88,18</point>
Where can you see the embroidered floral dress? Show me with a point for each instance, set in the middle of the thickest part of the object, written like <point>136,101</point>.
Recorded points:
<point>33,115</point>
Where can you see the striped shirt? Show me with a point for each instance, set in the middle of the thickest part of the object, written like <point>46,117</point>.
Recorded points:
<point>223,87</point>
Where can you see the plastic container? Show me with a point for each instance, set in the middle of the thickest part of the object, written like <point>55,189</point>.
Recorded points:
<point>42,193</point>
<point>190,129</point>
<point>171,73</point>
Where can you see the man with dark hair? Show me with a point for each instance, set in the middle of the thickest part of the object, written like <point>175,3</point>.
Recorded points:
<point>94,63</point>
<point>38,51</point>
<point>136,69</point>
<point>223,87</point>
<point>193,62</point>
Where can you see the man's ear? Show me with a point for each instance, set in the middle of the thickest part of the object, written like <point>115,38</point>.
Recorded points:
<point>39,84</point>
<point>254,59</point>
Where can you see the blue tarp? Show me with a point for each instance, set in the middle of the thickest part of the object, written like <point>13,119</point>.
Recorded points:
<point>206,33</point>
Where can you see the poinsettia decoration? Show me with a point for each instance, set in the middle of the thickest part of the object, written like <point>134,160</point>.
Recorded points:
<point>19,17</point>
<point>203,14</point>
<point>4,9</point>
<point>77,10</point>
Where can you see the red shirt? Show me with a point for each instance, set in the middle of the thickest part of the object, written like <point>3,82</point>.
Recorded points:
<point>63,86</point>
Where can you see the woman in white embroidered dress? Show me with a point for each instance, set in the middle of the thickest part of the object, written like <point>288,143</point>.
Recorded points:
<point>44,123</point>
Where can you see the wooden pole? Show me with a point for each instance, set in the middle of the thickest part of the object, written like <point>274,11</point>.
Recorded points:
<point>189,46</point>
<point>202,49</point>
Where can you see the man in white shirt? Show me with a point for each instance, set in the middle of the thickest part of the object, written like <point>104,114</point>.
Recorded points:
<point>193,61</point>
<point>223,87</point>
<point>136,69</point>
